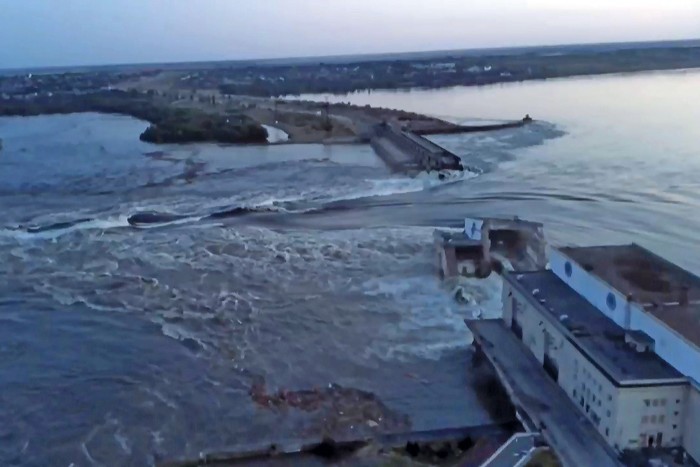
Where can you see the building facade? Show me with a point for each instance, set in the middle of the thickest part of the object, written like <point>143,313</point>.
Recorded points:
<point>631,396</point>
<point>646,295</point>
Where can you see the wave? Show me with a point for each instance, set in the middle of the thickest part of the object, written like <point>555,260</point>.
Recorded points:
<point>243,210</point>
<point>57,226</point>
<point>397,186</point>
<point>307,202</point>
<point>155,219</point>
<point>56,229</point>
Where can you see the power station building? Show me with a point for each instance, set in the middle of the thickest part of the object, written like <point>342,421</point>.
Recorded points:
<point>618,328</point>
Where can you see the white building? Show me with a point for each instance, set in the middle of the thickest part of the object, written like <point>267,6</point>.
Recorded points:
<point>618,328</point>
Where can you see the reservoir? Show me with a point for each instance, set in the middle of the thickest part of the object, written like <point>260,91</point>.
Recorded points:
<point>302,266</point>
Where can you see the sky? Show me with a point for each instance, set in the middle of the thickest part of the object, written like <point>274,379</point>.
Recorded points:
<point>36,33</point>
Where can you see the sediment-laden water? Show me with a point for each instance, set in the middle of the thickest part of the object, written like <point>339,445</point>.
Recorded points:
<point>158,302</point>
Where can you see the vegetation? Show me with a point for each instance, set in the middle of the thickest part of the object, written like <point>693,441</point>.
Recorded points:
<point>169,124</point>
<point>440,71</point>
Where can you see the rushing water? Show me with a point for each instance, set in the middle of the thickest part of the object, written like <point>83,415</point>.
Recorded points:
<point>299,266</point>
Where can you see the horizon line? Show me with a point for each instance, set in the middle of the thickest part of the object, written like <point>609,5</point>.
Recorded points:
<point>691,42</point>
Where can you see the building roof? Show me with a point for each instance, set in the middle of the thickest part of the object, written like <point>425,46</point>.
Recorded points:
<point>665,290</point>
<point>635,271</point>
<point>599,338</point>
<point>685,320</point>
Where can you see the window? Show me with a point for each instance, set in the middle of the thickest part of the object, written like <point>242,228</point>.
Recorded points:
<point>652,419</point>
<point>607,432</point>
<point>609,397</point>
<point>675,427</point>
<point>599,404</point>
<point>655,402</point>
<point>647,402</point>
<point>568,269</point>
<point>662,402</point>
<point>574,393</point>
<point>608,413</point>
<point>610,301</point>
<point>678,401</point>
<point>645,419</point>
<point>662,418</point>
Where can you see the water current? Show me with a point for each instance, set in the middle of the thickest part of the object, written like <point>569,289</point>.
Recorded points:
<point>147,291</point>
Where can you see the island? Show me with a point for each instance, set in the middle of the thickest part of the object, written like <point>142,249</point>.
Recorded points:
<point>168,123</point>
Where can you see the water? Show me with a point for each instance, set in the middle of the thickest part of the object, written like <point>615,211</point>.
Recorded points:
<point>275,135</point>
<point>299,266</point>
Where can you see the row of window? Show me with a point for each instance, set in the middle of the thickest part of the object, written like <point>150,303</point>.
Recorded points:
<point>658,402</point>
<point>655,402</point>
<point>653,419</point>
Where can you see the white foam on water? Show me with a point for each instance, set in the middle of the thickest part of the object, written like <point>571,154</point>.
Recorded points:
<point>95,224</point>
<point>431,320</point>
<point>155,225</point>
<point>122,441</point>
<point>275,135</point>
<point>397,185</point>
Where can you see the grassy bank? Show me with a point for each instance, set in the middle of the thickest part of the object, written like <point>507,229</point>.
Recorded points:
<point>169,124</point>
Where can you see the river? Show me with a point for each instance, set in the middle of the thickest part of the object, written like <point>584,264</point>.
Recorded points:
<point>299,266</point>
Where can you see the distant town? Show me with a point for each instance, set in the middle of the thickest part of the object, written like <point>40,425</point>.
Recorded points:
<point>237,102</point>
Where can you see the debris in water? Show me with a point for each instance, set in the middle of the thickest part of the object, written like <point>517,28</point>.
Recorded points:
<point>339,409</point>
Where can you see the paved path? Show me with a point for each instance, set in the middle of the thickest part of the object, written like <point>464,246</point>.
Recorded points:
<point>513,451</point>
<point>568,432</point>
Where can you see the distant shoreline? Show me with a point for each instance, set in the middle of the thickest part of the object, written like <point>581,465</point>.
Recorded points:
<point>499,83</point>
<point>352,57</point>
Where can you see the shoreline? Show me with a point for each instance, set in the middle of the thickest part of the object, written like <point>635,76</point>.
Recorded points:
<point>399,90</point>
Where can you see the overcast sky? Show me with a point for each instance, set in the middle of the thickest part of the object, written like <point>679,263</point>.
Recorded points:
<point>80,32</point>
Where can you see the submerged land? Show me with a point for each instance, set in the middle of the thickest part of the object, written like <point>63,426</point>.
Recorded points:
<point>232,102</point>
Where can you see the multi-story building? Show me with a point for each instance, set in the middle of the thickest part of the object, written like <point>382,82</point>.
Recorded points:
<point>619,329</point>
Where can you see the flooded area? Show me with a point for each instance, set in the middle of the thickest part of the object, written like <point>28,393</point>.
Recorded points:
<point>289,291</point>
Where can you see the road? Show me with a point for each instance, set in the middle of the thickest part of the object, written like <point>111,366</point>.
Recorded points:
<point>570,435</point>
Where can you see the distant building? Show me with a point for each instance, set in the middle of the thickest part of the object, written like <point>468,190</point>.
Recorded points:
<point>619,329</point>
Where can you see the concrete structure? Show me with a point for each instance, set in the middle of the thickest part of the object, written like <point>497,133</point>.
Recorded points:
<point>538,400</point>
<point>514,451</point>
<point>483,243</point>
<point>650,297</point>
<point>618,329</point>
<point>406,152</point>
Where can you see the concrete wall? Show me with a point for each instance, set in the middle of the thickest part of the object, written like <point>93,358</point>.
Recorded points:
<point>591,288</point>
<point>644,413</point>
<point>507,298</point>
<point>691,435</point>
<point>669,345</point>
<point>621,415</point>
<point>679,353</point>
<point>446,261</point>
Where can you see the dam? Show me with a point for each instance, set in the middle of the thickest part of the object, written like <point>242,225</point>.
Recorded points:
<point>404,151</point>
